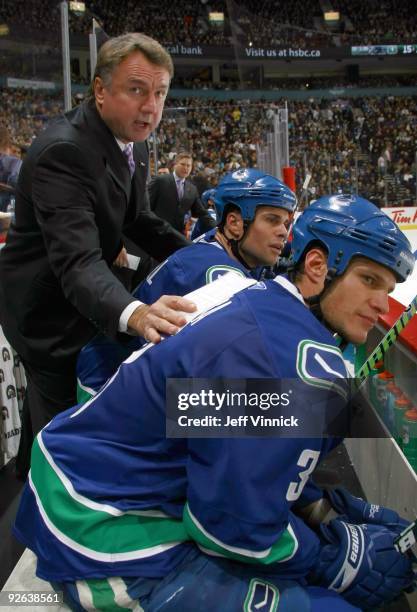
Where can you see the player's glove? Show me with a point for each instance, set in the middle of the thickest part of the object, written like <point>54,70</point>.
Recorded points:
<point>356,510</point>
<point>361,563</point>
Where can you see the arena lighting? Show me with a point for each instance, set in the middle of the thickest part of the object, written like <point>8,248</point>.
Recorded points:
<point>216,18</point>
<point>331,16</point>
<point>77,7</point>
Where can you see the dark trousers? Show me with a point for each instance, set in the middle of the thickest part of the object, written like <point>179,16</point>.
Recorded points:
<point>47,394</point>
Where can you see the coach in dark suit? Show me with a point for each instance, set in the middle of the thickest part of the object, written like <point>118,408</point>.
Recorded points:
<point>173,196</point>
<point>83,183</point>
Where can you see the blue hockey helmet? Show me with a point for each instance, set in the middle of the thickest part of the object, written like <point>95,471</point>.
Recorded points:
<point>249,188</point>
<point>348,225</point>
<point>208,195</point>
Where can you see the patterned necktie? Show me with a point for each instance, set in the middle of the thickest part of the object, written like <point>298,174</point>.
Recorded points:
<point>128,153</point>
<point>180,188</point>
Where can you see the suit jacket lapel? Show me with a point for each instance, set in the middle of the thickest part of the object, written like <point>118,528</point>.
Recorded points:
<point>141,156</point>
<point>115,163</point>
<point>140,177</point>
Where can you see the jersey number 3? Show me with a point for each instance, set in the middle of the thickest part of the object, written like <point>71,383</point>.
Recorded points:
<point>308,460</point>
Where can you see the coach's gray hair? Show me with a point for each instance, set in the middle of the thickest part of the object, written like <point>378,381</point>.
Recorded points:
<point>115,50</point>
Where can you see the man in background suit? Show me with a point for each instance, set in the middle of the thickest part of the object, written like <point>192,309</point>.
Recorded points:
<point>9,170</point>
<point>81,185</point>
<point>174,198</point>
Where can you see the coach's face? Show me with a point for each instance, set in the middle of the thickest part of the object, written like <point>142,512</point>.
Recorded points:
<point>131,104</point>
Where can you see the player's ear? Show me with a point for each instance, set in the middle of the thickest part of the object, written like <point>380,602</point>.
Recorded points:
<point>234,224</point>
<point>315,266</point>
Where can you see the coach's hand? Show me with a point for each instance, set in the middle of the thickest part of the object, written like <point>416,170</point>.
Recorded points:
<point>164,317</point>
<point>121,260</point>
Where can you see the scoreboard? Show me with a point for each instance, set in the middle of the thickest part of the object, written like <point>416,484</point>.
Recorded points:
<point>384,50</point>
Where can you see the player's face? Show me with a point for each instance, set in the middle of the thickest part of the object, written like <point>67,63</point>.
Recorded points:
<point>132,104</point>
<point>265,237</point>
<point>356,299</point>
<point>183,167</point>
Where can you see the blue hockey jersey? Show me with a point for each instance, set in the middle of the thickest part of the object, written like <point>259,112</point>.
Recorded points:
<point>192,267</point>
<point>110,495</point>
<point>186,270</point>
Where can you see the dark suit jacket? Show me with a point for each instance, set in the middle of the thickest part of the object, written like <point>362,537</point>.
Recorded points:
<point>74,199</point>
<point>163,197</point>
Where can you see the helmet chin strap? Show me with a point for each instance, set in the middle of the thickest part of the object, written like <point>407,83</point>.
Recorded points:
<point>234,245</point>
<point>314,303</point>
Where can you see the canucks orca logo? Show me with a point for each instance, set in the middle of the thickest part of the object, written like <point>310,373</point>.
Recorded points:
<point>341,200</point>
<point>261,597</point>
<point>322,365</point>
<point>215,272</point>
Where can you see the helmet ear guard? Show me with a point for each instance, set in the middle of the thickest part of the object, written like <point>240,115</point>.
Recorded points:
<point>350,226</point>
<point>249,188</point>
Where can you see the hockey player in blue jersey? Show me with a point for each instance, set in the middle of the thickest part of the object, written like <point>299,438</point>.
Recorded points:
<point>253,211</point>
<point>207,197</point>
<point>122,517</point>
